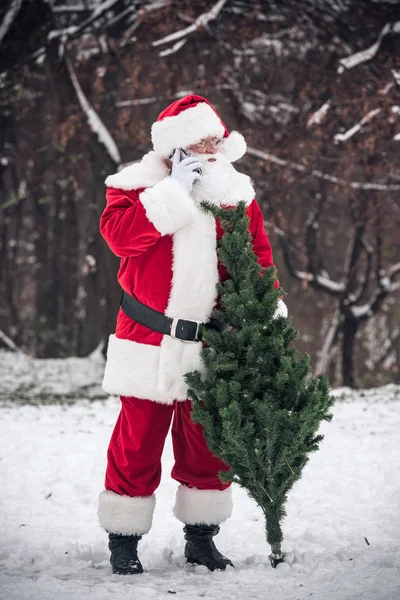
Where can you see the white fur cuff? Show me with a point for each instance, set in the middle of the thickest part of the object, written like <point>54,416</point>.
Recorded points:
<point>168,206</point>
<point>281,310</point>
<point>202,507</point>
<point>125,514</point>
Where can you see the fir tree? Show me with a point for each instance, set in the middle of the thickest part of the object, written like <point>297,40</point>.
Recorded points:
<point>256,401</point>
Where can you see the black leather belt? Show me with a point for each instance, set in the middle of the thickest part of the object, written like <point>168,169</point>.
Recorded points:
<point>181,329</point>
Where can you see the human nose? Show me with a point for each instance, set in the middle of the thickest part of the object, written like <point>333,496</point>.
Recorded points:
<point>211,147</point>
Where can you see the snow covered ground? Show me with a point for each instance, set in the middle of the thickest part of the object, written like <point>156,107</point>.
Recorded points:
<point>52,461</point>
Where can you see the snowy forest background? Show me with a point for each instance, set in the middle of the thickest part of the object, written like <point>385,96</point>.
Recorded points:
<point>313,85</point>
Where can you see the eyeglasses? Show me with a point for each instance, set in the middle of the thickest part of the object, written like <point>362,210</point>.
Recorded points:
<point>208,142</point>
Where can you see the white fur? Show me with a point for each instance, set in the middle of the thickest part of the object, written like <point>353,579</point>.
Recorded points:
<point>281,310</point>
<point>220,183</point>
<point>202,507</point>
<point>193,295</point>
<point>125,514</point>
<point>234,146</point>
<point>146,173</point>
<point>168,206</point>
<point>150,372</point>
<point>189,127</point>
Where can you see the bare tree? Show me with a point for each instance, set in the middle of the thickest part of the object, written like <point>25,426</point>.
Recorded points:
<point>82,81</point>
<point>360,290</point>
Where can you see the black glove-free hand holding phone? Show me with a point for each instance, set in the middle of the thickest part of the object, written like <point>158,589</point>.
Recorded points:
<point>183,155</point>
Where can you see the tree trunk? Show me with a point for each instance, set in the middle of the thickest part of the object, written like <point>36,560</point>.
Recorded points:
<point>350,328</point>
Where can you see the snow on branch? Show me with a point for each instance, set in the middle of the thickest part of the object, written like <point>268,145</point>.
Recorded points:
<point>137,102</point>
<point>70,8</point>
<point>343,137</point>
<point>365,55</point>
<point>319,115</point>
<point>174,48</point>
<point>152,99</point>
<point>320,281</point>
<point>98,12</point>
<point>9,17</point>
<point>94,121</point>
<point>199,23</point>
<point>359,185</point>
<point>386,286</point>
<point>9,343</point>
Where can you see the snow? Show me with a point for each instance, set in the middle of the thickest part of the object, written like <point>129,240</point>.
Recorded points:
<point>365,55</point>
<point>199,23</point>
<point>343,137</point>
<point>177,46</point>
<point>341,533</point>
<point>9,17</point>
<point>318,116</point>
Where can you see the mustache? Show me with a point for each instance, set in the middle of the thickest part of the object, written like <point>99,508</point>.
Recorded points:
<point>208,158</point>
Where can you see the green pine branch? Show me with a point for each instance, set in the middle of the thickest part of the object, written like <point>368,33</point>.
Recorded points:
<point>258,405</point>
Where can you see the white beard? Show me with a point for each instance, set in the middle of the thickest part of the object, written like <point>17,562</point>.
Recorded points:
<point>220,183</point>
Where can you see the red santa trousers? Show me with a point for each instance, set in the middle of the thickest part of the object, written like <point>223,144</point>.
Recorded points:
<point>134,469</point>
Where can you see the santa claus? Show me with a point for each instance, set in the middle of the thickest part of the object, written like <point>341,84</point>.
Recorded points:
<point>169,273</point>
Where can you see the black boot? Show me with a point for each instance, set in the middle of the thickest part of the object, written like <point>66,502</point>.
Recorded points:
<point>200,548</point>
<point>124,558</point>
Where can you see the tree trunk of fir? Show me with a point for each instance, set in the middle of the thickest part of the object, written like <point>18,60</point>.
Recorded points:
<point>350,328</point>
<point>274,537</point>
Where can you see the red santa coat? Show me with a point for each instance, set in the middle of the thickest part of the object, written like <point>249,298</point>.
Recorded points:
<point>168,250</point>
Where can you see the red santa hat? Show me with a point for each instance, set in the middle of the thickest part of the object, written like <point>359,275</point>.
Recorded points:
<point>189,120</point>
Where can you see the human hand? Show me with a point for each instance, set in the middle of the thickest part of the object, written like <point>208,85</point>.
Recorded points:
<point>184,172</point>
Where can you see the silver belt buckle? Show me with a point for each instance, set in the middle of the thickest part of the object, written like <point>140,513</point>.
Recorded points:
<point>175,325</point>
<point>173,328</point>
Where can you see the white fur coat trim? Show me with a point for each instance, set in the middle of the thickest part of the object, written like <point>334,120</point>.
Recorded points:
<point>150,372</point>
<point>168,206</point>
<point>145,173</point>
<point>125,514</point>
<point>281,310</point>
<point>202,507</point>
<point>189,127</point>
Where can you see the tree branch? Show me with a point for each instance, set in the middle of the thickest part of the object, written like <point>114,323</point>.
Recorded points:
<point>9,343</point>
<point>358,185</point>
<point>365,55</point>
<point>365,280</point>
<point>387,285</point>
<point>322,282</point>
<point>199,23</point>
<point>312,225</point>
<point>331,339</point>
<point>94,121</point>
<point>9,17</point>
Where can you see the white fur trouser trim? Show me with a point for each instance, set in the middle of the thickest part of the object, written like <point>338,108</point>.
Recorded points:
<point>125,514</point>
<point>202,507</point>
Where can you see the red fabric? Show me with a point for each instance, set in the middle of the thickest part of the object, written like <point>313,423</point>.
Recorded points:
<point>137,442</point>
<point>146,256</point>
<point>186,103</point>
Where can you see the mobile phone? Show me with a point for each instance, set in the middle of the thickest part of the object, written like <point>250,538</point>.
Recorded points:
<point>184,154</point>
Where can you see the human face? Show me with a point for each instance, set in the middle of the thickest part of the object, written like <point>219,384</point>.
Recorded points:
<point>208,145</point>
